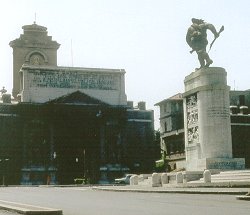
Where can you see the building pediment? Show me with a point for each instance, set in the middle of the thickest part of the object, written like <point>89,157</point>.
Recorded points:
<point>77,98</point>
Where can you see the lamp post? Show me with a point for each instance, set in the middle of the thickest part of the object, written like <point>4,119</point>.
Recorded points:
<point>3,161</point>
<point>54,166</point>
<point>84,165</point>
<point>54,155</point>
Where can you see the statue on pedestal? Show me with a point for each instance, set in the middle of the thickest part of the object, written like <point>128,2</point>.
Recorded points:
<point>2,91</point>
<point>197,39</point>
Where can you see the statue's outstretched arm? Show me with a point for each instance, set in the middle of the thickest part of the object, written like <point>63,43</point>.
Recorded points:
<point>212,29</point>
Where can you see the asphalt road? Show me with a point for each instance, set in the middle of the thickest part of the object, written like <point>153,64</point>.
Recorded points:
<point>85,201</point>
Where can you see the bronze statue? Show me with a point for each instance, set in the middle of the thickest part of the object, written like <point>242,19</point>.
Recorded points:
<point>2,91</point>
<point>197,39</point>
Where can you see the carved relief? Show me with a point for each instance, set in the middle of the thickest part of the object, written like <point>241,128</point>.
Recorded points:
<point>192,101</point>
<point>36,59</point>
<point>193,135</point>
<point>192,119</point>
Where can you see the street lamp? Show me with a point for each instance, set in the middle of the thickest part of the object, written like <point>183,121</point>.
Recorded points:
<point>54,159</point>
<point>54,155</point>
<point>3,161</point>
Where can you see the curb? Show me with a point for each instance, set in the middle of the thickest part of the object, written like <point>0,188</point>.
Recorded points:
<point>246,198</point>
<point>220,192</point>
<point>28,209</point>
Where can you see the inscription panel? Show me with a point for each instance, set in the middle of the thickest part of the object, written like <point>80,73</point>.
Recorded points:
<point>218,111</point>
<point>224,164</point>
<point>73,79</point>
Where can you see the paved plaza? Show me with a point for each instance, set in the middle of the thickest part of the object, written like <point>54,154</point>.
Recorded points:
<point>103,200</point>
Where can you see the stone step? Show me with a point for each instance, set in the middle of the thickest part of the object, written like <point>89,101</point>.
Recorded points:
<point>238,179</point>
<point>231,176</point>
<point>234,175</point>
<point>241,172</point>
<point>225,176</point>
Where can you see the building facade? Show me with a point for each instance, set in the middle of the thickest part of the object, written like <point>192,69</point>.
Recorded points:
<point>240,124</point>
<point>66,123</point>
<point>33,47</point>
<point>139,150</point>
<point>172,128</point>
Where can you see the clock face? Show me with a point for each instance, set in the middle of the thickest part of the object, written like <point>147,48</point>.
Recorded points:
<point>36,59</point>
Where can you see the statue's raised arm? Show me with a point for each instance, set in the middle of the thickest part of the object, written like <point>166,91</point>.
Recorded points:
<point>196,38</point>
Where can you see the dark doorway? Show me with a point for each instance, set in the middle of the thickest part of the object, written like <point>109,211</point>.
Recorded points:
<point>77,148</point>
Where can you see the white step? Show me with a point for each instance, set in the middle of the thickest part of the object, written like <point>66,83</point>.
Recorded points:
<point>236,175</point>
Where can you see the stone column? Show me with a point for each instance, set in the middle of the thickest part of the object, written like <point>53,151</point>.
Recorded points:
<point>208,140</point>
<point>25,94</point>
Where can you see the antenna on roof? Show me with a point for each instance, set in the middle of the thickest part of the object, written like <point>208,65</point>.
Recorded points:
<point>71,49</point>
<point>35,19</point>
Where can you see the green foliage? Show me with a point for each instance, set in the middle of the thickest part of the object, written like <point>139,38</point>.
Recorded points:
<point>159,163</point>
<point>157,135</point>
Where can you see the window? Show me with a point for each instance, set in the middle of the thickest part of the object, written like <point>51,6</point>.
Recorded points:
<point>165,126</point>
<point>165,108</point>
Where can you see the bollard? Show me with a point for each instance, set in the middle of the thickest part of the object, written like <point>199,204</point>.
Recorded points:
<point>6,98</point>
<point>134,180</point>
<point>164,178</point>
<point>207,176</point>
<point>156,180</point>
<point>179,178</point>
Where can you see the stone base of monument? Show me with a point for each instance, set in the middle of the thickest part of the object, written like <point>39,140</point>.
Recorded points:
<point>221,163</point>
<point>208,140</point>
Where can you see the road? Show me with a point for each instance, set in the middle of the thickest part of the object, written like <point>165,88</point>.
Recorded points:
<point>85,201</point>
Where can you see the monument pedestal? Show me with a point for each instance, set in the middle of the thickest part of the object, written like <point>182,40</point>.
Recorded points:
<point>207,123</point>
<point>221,163</point>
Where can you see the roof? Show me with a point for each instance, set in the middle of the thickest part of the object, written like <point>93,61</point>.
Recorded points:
<point>34,27</point>
<point>48,68</point>
<point>176,97</point>
<point>77,98</point>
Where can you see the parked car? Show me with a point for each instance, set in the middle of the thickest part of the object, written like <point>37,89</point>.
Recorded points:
<point>124,180</point>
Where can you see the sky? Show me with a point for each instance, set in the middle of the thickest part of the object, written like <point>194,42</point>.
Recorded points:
<point>144,37</point>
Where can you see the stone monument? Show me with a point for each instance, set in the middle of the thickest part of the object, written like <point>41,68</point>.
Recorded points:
<point>208,140</point>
